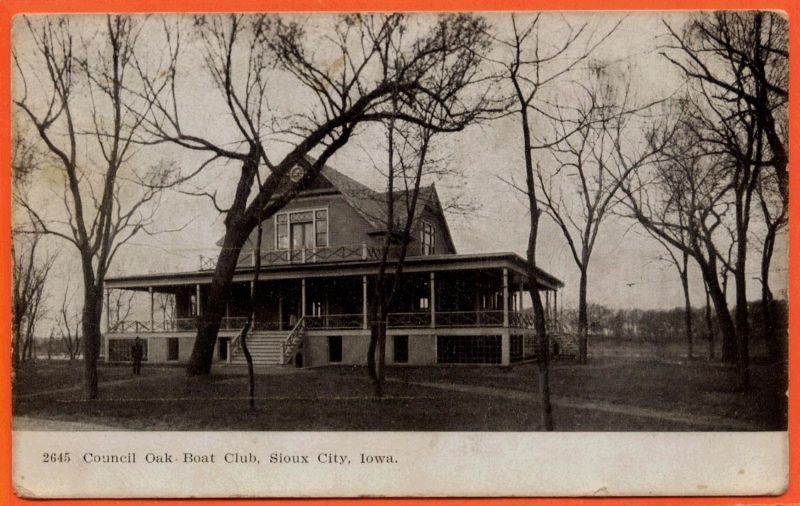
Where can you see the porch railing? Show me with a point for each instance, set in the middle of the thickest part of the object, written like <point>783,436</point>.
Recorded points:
<point>418,319</point>
<point>408,320</point>
<point>484,318</point>
<point>335,321</point>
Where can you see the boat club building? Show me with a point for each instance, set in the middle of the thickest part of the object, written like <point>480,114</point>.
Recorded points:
<point>319,257</point>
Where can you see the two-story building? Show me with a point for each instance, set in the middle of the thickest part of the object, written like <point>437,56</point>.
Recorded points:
<point>319,258</point>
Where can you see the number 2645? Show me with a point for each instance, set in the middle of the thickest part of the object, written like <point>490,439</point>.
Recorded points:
<point>62,457</point>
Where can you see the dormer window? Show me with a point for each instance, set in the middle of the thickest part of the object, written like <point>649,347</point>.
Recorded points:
<point>428,238</point>
<point>301,229</point>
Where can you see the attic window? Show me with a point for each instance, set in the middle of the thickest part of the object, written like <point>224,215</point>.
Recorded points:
<point>305,229</point>
<point>428,238</point>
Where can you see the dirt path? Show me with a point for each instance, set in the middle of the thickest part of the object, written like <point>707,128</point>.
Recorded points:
<point>27,423</point>
<point>159,375</point>
<point>718,422</point>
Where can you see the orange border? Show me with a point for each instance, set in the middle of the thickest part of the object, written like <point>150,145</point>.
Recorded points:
<point>8,8</point>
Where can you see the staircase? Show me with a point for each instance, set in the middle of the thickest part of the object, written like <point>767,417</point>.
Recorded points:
<point>265,349</point>
<point>270,348</point>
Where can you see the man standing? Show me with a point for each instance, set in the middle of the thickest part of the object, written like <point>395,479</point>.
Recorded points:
<point>137,351</point>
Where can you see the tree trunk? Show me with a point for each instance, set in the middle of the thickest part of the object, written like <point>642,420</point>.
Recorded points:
<point>376,354</point>
<point>208,322</point>
<point>380,369</point>
<point>709,325</point>
<point>583,320</point>
<point>742,324</point>
<point>724,319</point>
<point>540,327</point>
<point>90,324</point>
<point>15,356</point>
<point>687,304</point>
<point>774,346</point>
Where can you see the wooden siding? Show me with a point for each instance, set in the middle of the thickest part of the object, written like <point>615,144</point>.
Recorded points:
<point>346,227</point>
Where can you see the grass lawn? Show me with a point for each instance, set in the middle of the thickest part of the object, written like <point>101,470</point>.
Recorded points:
<point>607,394</point>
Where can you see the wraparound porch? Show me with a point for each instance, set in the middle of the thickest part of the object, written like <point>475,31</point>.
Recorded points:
<point>299,304</point>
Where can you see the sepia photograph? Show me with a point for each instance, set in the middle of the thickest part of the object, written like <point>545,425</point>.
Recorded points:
<point>481,223</point>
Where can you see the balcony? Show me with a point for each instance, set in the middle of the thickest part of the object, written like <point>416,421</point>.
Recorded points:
<point>310,255</point>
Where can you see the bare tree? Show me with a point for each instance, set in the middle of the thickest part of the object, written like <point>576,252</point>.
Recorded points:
<point>775,211</point>
<point>682,266</point>
<point>165,302</point>
<point>74,91</point>
<point>120,306</point>
<point>591,165</point>
<point>739,62</point>
<point>533,66</point>
<point>30,273</point>
<point>742,56</point>
<point>69,326</point>
<point>684,200</point>
<point>409,161</point>
<point>30,268</point>
<point>380,56</point>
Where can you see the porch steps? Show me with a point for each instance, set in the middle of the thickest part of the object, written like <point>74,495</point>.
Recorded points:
<point>266,350</point>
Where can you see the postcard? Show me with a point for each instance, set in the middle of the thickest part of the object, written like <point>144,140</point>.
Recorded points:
<point>400,254</point>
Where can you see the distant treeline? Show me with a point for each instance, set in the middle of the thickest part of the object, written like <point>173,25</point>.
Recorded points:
<point>667,325</point>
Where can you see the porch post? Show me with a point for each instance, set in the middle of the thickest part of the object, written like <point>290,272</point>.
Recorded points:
<point>521,296</point>
<point>555,306</point>
<point>364,301</point>
<point>505,339</point>
<point>505,297</point>
<point>253,299</point>
<point>152,308</point>
<point>280,308</point>
<point>433,300</point>
<point>199,303</point>
<point>227,320</point>
<point>108,310</point>
<point>547,304</point>
<point>303,297</point>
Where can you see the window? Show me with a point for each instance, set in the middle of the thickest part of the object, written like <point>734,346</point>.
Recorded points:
<point>316,308</point>
<point>428,238</point>
<point>119,350</point>
<point>400,349</point>
<point>334,349</point>
<point>322,228</point>
<point>424,302</point>
<point>301,229</point>
<point>282,231</point>
<point>468,349</point>
<point>172,349</point>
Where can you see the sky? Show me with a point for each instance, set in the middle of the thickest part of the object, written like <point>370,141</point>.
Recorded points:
<point>627,268</point>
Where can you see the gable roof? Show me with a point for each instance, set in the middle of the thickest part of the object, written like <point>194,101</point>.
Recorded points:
<point>372,205</point>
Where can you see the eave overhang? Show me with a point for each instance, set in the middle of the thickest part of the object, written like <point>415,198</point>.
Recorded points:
<point>432,263</point>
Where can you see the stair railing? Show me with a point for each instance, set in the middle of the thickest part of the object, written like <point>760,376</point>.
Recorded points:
<point>293,340</point>
<point>235,345</point>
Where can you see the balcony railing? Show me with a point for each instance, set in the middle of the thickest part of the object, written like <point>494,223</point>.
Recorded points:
<point>312,255</point>
<point>419,319</point>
